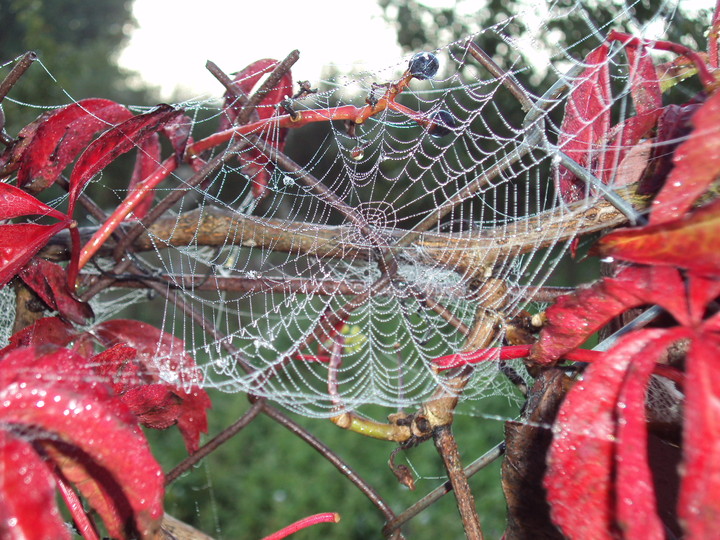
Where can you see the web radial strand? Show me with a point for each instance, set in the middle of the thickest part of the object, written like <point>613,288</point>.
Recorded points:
<point>386,239</point>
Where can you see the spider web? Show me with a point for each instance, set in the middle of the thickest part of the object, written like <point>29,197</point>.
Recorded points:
<point>387,246</point>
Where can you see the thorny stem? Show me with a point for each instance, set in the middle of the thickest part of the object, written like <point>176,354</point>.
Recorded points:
<point>210,446</point>
<point>448,450</point>
<point>480,463</point>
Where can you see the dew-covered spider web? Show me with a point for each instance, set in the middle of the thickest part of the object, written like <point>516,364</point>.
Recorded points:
<point>329,276</point>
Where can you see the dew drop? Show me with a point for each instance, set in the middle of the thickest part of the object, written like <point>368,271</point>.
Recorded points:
<point>357,153</point>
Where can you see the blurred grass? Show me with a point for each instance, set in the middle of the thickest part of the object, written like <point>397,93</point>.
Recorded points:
<point>265,478</point>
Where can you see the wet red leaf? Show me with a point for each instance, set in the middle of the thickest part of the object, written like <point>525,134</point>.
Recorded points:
<point>575,317</point>
<point>19,243</point>
<point>15,202</point>
<point>673,126</point>
<point>699,505</point>
<point>49,282</point>
<point>582,458</point>
<point>42,334</point>
<point>148,159</point>
<point>586,122</point>
<point>115,142</point>
<point>256,164</point>
<point>149,156</point>
<point>161,359</point>
<point>27,494</point>
<point>61,136</point>
<point>697,165</point>
<point>56,399</point>
<point>690,242</point>
<point>644,84</point>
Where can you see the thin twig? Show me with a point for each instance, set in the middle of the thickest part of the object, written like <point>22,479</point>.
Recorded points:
<point>448,450</point>
<point>271,82</point>
<point>16,72</point>
<point>210,446</point>
<point>506,77</point>
<point>333,458</point>
<point>480,463</point>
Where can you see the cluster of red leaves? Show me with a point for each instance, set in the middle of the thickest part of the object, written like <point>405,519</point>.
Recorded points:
<point>70,415</point>
<point>256,164</point>
<point>600,480</point>
<point>72,401</point>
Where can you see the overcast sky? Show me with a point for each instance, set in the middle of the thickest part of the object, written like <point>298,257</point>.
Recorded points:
<point>176,37</point>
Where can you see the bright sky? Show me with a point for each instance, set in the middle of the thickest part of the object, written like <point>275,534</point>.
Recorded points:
<point>176,37</point>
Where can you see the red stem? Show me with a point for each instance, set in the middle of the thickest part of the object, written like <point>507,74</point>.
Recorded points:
<point>631,41</point>
<point>327,517</point>
<point>123,210</point>
<point>82,521</point>
<point>521,351</point>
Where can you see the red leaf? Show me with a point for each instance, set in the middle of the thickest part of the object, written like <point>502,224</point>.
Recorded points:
<point>644,85</point>
<point>673,126</point>
<point>690,242</point>
<point>43,333</point>
<point>83,421</point>
<point>148,159</point>
<point>635,500</point>
<point>624,139</point>
<point>581,461</point>
<point>697,165</point>
<point>699,505</point>
<point>256,164</point>
<point>575,317</point>
<point>62,135</point>
<point>27,494</point>
<point>115,142</point>
<point>49,281</point>
<point>15,202</point>
<point>155,405</point>
<point>19,243</point>
<point>162,359</point>
<point>586,121</point>
<point>149,156</point>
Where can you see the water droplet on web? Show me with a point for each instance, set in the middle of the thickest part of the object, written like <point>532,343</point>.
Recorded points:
<point>357,153</point>
<point>288,181</point>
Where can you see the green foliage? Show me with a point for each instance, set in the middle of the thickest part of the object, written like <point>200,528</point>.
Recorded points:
<point>266,478</point>
<point>78,41</point>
